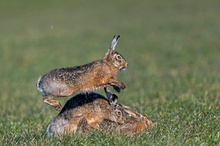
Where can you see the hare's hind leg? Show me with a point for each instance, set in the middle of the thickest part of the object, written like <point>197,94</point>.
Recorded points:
<point>54,103</point>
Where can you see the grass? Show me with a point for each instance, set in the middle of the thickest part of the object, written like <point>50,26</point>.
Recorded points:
<point>173,76</point>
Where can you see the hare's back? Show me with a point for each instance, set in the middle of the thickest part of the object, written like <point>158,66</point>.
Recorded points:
<point>58,82</point>
<point>50,87</point>
<point>65,74</point>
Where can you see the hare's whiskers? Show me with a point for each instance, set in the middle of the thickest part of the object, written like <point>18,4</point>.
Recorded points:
<point>126,73</point>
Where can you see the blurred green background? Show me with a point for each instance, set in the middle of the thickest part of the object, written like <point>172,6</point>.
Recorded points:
<point>172,47</point>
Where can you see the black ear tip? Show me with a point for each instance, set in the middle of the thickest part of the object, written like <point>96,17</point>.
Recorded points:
<point>114,97</point>
<point>116,36</point>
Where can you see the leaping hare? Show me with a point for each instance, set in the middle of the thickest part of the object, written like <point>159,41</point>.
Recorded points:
<point>64,82</point>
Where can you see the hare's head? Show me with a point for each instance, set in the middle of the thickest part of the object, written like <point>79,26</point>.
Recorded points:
<point>115,58</point>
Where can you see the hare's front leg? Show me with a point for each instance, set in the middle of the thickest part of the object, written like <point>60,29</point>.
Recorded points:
<point>54,103</point>
<point>117,85</point>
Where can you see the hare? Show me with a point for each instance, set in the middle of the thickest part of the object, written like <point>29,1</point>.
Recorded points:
<point>64,82</point>
<point>83,112</point>
<point>87,112</point>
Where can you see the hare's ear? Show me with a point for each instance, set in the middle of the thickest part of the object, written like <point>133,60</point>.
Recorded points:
<point>112,46</point>
<point>108,92</point>
<point>112,98</point>
<point>114,42</point>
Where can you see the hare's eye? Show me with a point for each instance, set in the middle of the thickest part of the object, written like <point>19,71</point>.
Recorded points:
<point>118,57</point>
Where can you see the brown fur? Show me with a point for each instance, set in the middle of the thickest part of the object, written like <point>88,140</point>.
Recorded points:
<point>88,112</point>
<point>66,81</point>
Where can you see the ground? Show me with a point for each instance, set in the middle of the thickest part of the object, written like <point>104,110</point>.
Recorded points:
<point>173,75</point>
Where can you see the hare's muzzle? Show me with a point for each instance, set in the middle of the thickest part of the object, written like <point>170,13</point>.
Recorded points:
<point>122,68</point>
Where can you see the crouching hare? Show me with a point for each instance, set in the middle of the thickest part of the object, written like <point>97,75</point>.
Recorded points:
<point>84,113</point>
<point>64,82</point>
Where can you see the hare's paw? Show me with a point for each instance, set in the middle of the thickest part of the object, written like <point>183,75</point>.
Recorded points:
<point>58,107</point>
<point>122,86</point>
<point>54,103</point>
<point>117,85</point>
<point>117,89</point>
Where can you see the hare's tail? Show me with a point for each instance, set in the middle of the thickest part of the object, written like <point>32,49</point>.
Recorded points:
<point>39,87</point>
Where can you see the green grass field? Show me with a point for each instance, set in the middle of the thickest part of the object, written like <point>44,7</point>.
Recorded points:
<point>173,50</point>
